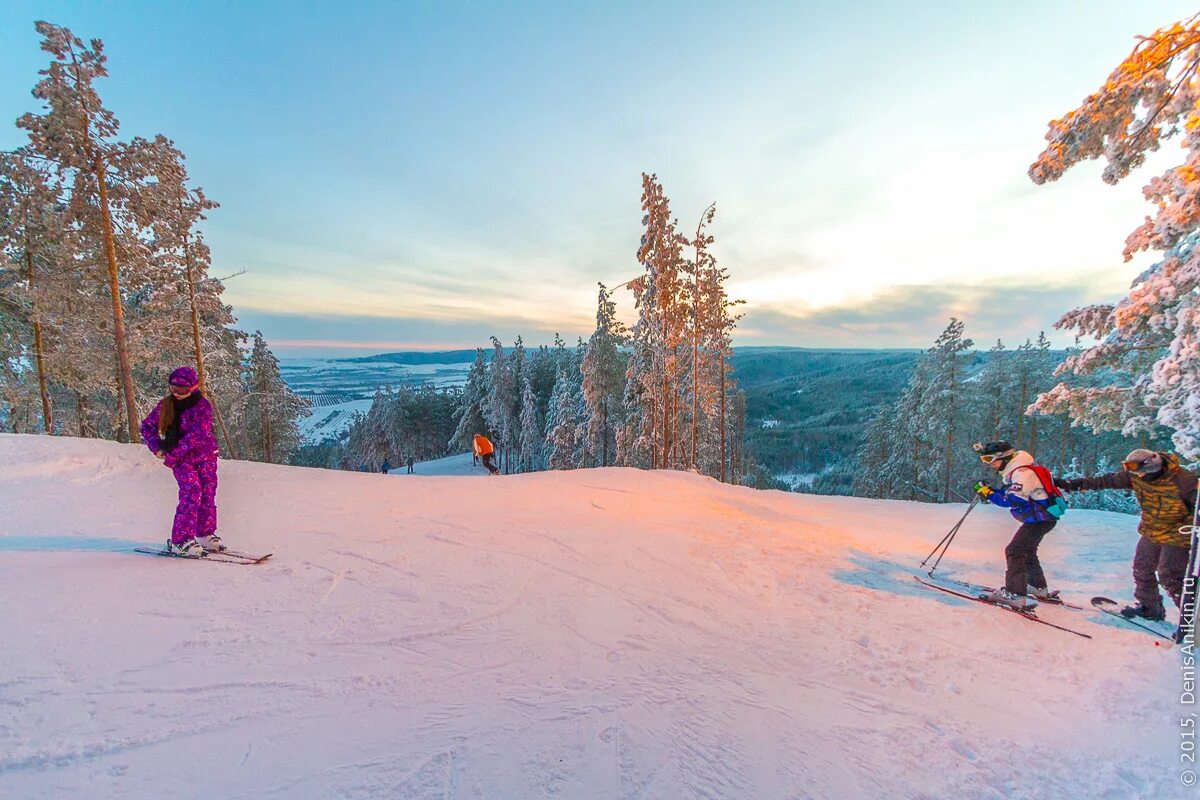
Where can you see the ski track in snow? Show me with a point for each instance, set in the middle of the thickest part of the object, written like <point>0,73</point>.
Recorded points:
<point>597,634</point>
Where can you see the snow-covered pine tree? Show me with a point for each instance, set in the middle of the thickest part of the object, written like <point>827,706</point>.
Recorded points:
<point>77,134</point>
<point>635,443</point>
<point>561,425</point>
<point>717,320</point>
<point>18,389</point>
<point>995,391</point>
<point>1032,370</point>
<point>367,444</point>
<point>517,364</point>
<point>531,445</point>
<point>469,415</point>
<point>736,420</point>
<point>1041,372</point>
<point>944,407</point>
<point>660,332</point>
<point>1149,341</point>
<point>874,455</point>
<point>542,368</point>
<point>32,239</point>
<point>697,322</point>
<point>183,304</point>
<point>499,403</point>
<point>928,451</point>
<point>272,410</point>
<point>603,373</point>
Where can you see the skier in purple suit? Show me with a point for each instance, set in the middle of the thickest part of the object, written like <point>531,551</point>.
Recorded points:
<point>179,431</point>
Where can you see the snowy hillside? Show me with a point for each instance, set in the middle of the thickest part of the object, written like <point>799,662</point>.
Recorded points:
<point>592,634</point>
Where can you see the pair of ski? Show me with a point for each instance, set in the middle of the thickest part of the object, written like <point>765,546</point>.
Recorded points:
<point>979,596</point>
<point>217,557</point>
<point>1104,604</point>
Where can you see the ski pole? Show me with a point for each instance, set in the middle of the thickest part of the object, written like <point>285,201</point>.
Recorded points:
<point>953,530</point>
<point>948,539</point>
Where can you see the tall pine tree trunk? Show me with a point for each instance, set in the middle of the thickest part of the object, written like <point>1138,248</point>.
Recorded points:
<point>723,428</point>
<point>695,361</point>
<point>604,431</point>
<point>196,345</point>
<point>268,445</point>
<point>667,422</point>
<point>950,438</point>
<point>124,369</point>
<point>38,348</point>
<point>1065,445</point>
<point>81,410</point>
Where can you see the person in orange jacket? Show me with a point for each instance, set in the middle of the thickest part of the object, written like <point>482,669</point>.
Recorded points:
<point>485,450</point>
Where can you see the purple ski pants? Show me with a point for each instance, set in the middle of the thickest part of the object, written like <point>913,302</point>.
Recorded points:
<point>196,514</point>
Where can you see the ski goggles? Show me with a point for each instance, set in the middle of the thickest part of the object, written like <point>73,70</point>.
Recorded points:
<point>988,458</point>
<point>182,391</point>
<point>1138,467</point>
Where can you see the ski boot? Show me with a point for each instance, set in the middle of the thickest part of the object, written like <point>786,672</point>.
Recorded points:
<point>211,543</point>
<point>1017,602</point>
<point>1140,610</point>
<point>189,549</point>
<point>1042,593</point>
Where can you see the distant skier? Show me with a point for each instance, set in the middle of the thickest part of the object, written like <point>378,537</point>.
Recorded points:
<point>484,449</point>
<point>179,431</point>
<point>386,467</point>
<point>410,465</point>
<point>1167,494</point>
<point>1029,494</point>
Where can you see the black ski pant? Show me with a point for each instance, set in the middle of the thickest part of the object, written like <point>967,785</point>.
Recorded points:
<point>1155,564</point>
<point>1024,569</point>
<point>487,462</point>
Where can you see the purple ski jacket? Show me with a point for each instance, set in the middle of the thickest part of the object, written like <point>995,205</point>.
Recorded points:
<point>196,439</point>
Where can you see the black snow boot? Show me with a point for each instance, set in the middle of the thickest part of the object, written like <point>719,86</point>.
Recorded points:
<point>1140,610</point>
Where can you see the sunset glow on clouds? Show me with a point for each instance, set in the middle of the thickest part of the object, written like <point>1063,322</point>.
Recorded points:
<point>428,176</point>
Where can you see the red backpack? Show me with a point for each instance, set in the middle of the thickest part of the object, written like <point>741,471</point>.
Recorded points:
<point>1058,505</point>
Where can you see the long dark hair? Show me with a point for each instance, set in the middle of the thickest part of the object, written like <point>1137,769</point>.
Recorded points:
<point>167,411</point>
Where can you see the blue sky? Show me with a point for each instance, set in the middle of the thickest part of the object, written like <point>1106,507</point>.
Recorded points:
<point>423,175</point>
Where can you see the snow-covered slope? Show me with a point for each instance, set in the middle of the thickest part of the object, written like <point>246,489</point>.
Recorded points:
<point>592,634</point>
<point>460,464</point>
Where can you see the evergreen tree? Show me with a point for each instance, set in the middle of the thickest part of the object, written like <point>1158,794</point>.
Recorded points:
<point>272,410</point>
<point>32,243</point>
<point>603,378</point>
<point>532,441</point>
<point>561,426</point>
<point>874,455</point>
<point>1148,343</point>
<point>77,134</point>
<point>469,415</point>
<point>944,405</point>
<point>500,401</point>
<point>995,389</point>
<point>659,333</point>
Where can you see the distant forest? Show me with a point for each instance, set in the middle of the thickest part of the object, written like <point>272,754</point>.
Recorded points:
<point>807,410</point>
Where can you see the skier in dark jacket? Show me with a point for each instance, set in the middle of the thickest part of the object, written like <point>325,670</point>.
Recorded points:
<point>1167,494</point>
<point>1025,495</point>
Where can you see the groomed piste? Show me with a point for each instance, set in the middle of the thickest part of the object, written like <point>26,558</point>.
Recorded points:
<point>589,634</point>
